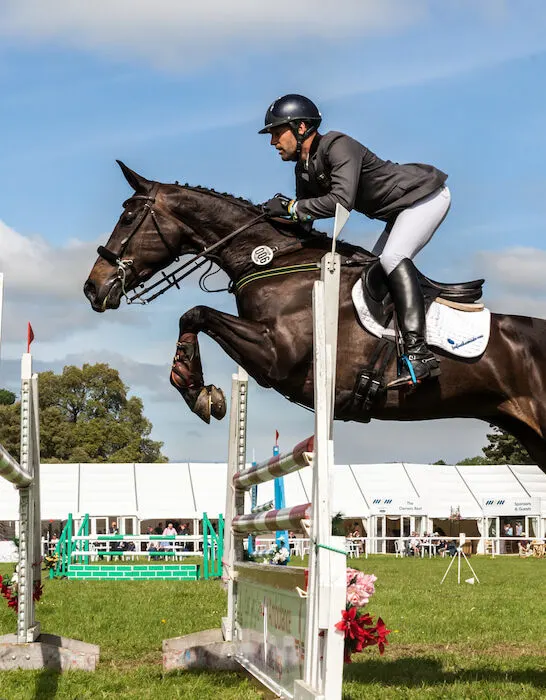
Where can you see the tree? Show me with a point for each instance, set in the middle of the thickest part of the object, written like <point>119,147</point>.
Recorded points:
<point>338,525</point>
<point>7,397</point>
<point>479,459</point>
<point>503,448</point>
<point>85,416</point>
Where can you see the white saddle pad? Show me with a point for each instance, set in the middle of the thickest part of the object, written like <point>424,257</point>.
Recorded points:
<point>460,333</point>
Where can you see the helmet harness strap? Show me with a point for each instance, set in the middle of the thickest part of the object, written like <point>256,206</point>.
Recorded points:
<point>300,138</point>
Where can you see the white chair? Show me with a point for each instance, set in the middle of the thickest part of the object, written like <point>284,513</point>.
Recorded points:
<point>351,548</point>
<point>399,548</point>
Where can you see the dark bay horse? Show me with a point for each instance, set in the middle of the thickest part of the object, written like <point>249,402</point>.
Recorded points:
<point>272,336</point>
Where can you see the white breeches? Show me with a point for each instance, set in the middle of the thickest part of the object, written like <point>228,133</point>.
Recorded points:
<point>412,229</point>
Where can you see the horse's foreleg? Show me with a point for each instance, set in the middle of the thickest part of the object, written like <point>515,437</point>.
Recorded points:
<point>237,337</point>
<point>187,378</point>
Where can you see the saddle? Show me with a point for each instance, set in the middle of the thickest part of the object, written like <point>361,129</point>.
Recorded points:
<point>369,385</point>
<point>462,295</point>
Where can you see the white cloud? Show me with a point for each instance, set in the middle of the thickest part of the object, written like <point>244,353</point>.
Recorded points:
<point>43,284</point>
<point>33,266</point>
<point>519,269</point>
<point>171,32</point>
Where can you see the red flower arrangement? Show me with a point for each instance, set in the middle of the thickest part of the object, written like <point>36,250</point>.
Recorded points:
<point>358,627</point>
<point>10,591</point>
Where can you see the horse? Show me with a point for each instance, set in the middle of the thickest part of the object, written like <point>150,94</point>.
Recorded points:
<point>272,335</point>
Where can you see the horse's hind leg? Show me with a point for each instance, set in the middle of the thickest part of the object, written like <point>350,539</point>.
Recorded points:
<point>239,338</point>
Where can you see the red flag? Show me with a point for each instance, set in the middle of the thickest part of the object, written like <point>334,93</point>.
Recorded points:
<point>276,437</point>
<point>30,336</point>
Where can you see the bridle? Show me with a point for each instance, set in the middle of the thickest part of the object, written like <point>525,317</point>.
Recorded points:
<point>171,279</point>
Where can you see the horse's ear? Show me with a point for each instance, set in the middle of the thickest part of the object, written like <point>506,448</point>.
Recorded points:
<point>137,182</point>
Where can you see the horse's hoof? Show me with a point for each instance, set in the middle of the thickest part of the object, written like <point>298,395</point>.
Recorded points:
<point>202,406</point>
<point>217,402</point>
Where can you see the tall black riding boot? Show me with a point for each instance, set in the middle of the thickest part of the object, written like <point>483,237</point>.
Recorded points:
<point>418,362</point>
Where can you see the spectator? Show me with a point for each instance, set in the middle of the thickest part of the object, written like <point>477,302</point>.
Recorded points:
<point>159,529</point>
<point>53,542</point>
<point>145,546</point>
<point>292,542</point>
<point>505,533</point>
<point>414,545</point>
<point>356,531</point>
<point>451,548</point>
<point>524,547</point>
<point>519,529</point>
<point>184,531</point>
<point>356,534</point>
<point>441,547</point>
<point>169,531</point>
<point>114,530</point>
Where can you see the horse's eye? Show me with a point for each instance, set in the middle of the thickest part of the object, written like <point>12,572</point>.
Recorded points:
<point>128,217</point>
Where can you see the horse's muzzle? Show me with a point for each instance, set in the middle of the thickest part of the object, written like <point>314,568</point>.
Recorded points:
<point>107,296</point>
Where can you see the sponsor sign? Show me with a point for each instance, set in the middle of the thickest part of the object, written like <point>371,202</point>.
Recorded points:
<point>511,506</point>
<point>270,619</point>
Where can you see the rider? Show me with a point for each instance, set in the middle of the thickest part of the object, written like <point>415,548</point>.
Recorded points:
<point>411,199</point>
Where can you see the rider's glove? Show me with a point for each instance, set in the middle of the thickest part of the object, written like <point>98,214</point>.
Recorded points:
<point>279,205</point>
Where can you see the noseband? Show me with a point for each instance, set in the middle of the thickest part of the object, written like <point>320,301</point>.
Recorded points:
<point>117,259</point>
<point>171,280</point>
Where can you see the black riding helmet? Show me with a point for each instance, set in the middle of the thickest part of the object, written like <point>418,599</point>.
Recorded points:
<point>291,110</point>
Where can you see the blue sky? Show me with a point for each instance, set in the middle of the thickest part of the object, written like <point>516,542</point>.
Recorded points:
<point>179,93</point>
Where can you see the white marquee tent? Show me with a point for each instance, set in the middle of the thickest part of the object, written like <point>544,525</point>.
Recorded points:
<point>389,500</point>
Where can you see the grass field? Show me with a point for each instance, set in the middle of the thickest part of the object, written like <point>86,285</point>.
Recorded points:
<point>450,641</point>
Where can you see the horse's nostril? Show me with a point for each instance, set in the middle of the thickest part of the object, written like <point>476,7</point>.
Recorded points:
<point>89,290</point>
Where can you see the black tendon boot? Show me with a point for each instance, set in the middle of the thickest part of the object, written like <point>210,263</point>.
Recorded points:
<point>418,362</point>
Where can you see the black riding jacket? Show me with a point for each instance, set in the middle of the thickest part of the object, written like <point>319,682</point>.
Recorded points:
<point>340,169</point>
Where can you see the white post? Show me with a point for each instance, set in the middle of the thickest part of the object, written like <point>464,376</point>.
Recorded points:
<point>323,670</point>
<point>30,555</point>
<point>234,499</point>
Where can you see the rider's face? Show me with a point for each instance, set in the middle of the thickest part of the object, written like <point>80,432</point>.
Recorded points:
<point>284,141</point>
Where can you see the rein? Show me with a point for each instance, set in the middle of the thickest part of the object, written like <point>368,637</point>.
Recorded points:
<point>171,279</point>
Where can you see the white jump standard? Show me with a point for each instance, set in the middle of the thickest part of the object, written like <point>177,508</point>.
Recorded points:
<point>29,648</point>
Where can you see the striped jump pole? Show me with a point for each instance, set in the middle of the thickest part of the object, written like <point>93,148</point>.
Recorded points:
<point>300,456</point>
<point>272,520</point>
<point>262,508</point>
<point>11,471</point>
